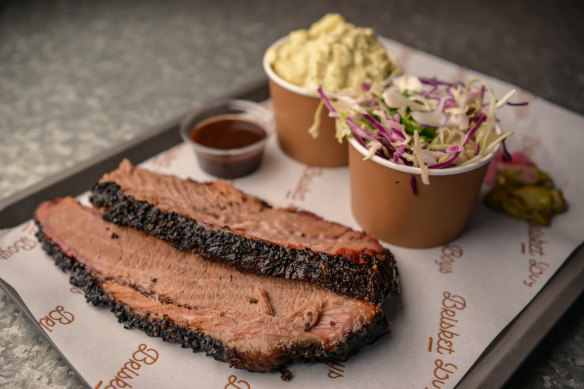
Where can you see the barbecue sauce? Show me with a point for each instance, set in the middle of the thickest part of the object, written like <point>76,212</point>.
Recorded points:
<point>227,133</point>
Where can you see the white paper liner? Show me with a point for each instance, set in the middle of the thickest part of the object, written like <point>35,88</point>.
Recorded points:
<point>471,288</point>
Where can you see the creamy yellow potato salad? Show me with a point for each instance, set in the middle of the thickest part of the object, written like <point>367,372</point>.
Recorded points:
<point>332,54</point>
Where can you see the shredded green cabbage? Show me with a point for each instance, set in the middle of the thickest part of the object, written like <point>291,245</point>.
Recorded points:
<point>313,130</point>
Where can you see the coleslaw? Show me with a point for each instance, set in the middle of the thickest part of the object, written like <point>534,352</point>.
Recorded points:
<point>421,122</point>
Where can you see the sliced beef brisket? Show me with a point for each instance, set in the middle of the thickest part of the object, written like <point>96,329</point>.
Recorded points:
<point>255,322</point>
<point>221,223</point>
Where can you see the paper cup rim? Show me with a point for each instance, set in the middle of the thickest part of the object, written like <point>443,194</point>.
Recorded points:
<point>416,170</point>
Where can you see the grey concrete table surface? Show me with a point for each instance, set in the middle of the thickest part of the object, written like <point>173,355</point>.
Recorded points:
<point>77,77</point>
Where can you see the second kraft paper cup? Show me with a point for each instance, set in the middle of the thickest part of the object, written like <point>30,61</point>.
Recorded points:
<point>384,204</point>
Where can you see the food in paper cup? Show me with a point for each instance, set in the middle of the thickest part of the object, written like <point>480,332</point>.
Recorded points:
<point>420,148</point>
<point>421,122</point>
<point>333,53</point>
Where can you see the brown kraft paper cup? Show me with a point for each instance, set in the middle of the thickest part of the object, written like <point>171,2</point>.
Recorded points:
<point>294,109</point>
<point>383,202</point>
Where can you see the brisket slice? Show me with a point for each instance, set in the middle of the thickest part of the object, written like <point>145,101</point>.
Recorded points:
<point>255,322</point>
<point>221,223</point>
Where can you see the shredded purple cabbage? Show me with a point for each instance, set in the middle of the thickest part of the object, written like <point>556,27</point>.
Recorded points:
<point>469,134</point>
<point>446,163</point>
<point>325,100</point>
<point>413,185</point>
<point>506,155</point>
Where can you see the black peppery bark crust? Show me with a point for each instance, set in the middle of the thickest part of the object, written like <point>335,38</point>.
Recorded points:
<point>172,332</point>
<point>372,280</point>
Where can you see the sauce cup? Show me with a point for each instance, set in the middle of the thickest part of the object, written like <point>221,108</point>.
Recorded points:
<point>228,137</point>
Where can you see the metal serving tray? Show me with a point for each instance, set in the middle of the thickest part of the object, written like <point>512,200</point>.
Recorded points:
<point>494,367</point>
